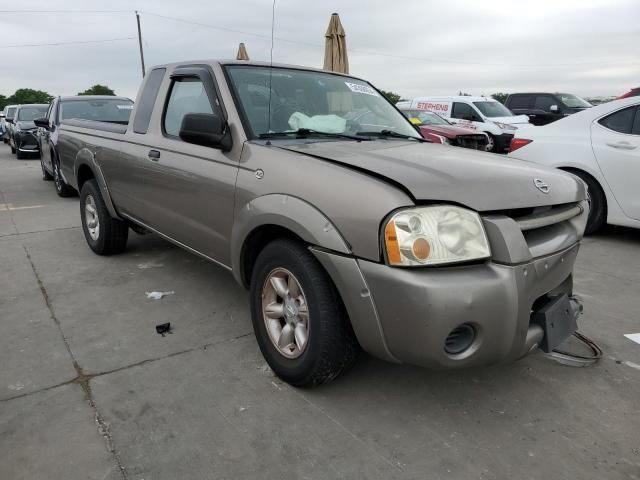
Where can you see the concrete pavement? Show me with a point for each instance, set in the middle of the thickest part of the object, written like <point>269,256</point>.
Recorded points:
<point>88,390</point>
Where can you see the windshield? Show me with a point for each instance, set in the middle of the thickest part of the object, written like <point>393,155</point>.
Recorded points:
<point>103,110</point>
<point>320,102</point>
<point>493,109</point>
<point>29,114</point>
<point>573,101</point>
<point>422,117</point>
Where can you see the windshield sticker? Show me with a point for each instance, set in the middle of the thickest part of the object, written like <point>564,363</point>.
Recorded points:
<point>358,88</point>
<point>124,107</point>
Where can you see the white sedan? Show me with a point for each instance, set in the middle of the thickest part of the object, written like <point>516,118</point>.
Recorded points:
<point>601,145</point>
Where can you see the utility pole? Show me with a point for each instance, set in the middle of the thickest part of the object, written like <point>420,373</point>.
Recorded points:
<point>140,43</point>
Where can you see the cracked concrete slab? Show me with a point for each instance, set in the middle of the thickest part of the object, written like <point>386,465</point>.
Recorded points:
<point>32,353</point>
<point>53,435</point>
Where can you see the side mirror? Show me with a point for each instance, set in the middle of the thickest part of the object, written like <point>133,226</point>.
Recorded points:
<point>1,115</point>
<point>207,130</point>
<point>554,109</point>
<point>42,123</point>
<point>9,119</point>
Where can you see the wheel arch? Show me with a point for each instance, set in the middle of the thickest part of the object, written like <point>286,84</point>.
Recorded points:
<point>86,169</point>
<point>274,216</point>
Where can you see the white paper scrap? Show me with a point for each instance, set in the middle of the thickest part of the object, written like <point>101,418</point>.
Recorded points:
<point>634,337</point>
<point>158,295</point>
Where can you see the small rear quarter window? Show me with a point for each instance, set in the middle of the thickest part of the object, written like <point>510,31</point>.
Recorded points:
<point>148,100</point>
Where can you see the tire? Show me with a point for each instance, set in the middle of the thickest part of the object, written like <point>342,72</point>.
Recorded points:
<point>597,203</point>
<point>491,143</point>
<point>46,176</point>
<point>20,155</point>
<point>62,189</point>
<point>110,236</point>
<point>13,150</point>
<point>330,347</point>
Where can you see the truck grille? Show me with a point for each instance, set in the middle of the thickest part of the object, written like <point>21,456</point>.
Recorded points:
<point>474,141</point>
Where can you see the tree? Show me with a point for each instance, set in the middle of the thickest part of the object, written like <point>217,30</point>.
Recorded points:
<point>98,90</point>
<point>463,94</point>
<point>28,95</point>
<point>3,102</point>
<point>392,97</point>
<point>501,97</point>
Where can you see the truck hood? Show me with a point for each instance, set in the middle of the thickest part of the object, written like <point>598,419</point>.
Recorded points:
<point>431,172</point>
<point>515,120</point>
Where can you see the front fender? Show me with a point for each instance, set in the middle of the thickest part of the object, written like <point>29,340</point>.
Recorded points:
<point>85,158</point>
<point>288,212</point>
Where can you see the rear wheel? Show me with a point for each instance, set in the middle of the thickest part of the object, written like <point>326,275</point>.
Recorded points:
<point>62,189</point>
<point>299,320</point>
<point>597,202</point>
<point>105,235</point>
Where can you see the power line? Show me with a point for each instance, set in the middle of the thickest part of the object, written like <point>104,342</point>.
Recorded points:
<point>75,42</point>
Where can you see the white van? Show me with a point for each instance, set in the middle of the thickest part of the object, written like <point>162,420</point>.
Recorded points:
<point>480,113</point>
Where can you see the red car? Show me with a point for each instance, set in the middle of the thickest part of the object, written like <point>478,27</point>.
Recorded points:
<point>435,128</point>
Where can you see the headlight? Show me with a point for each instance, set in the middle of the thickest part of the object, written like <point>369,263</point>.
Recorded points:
<point>443,140</point>
<point>505,126</point>
<point>435,235</point>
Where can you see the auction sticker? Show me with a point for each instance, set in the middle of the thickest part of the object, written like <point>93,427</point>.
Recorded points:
<point>359,88</point>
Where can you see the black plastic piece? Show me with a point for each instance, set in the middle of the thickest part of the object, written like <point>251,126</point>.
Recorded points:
<point>558,320</point>
<point>163,328</point>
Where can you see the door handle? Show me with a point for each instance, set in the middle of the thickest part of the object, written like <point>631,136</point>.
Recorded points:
<point>154,155</point>
<point>622,145</point>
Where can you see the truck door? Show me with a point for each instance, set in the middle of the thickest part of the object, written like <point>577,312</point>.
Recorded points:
<point>616,144</point>
<point>189,189</point>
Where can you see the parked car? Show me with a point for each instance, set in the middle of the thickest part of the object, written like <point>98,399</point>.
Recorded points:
<point>544,108</point>
<point>101,108</point>
<point>479,113</point>
<point>601,145</point>
<point>348,228</point>
<point>23,139</point>
<point>435,128</point>
<point>634,92</point>
<point>9,112</point>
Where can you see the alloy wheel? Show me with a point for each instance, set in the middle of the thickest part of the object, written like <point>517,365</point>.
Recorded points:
<point>286,313</point>
<point>91,218</point>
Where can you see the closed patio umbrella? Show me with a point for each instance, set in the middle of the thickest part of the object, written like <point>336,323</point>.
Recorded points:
<point>242,53</point>
<point>335,47</point>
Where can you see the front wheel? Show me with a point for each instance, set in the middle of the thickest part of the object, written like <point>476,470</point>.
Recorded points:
<point>105,235</point>
<point>299,320</point>
<point>13,149</point>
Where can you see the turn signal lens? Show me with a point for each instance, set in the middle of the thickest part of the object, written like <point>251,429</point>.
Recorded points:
<point>391,241</point>
<point>517,143</point>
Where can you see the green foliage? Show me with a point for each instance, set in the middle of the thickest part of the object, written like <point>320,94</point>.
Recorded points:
<point>98,90</point>
<point>501,97</point>
<point>3,102</point>
<point>392,97</point>
<point>28,95</point>
<point>463,94</point>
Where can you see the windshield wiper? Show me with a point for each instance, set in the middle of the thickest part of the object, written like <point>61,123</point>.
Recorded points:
<point>307,132</point>
<point>391,133</point>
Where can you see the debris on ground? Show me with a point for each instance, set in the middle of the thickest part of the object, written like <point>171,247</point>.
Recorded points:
<point>158,295</point>
<point>163,328</point>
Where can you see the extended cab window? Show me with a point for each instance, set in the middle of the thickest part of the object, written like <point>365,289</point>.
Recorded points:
<point>620,121</point>
<point>521,101</point>
<point>147,100</point>
<point>187,96</point>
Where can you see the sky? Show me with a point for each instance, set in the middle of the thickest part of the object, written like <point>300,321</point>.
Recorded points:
<point>411,47</point>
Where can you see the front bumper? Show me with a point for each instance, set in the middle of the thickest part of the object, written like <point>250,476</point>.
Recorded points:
<point>26,141</point>
<point>503,141</point>
<point>405,315</point>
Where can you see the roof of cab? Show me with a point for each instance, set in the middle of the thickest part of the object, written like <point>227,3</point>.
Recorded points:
<point>92,97</point>
<point>223,62</point>
<point>455,98</point>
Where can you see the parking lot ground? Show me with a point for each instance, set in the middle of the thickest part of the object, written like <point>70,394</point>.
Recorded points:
<point>88,390</point>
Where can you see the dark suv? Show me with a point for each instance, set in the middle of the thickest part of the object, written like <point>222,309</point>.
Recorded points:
<point>23,138</point>
<point>101,108</point>
<point>543,108</point>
